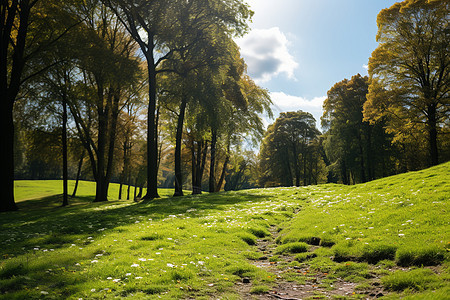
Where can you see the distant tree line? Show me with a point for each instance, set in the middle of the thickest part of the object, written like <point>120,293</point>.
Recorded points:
<point>395,120</point>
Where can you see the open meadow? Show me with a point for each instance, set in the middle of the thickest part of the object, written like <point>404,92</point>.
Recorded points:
<point>388,239</point>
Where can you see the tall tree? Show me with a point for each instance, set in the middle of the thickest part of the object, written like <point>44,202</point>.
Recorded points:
<point>350,142</point>
<point>28,28</point>
<point>410,70</point>
<point>150,24</point>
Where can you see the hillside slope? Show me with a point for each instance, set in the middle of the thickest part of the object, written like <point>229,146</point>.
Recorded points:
<point>387,238</point>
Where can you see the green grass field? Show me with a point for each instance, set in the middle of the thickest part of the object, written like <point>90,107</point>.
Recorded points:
<point>392,232</point>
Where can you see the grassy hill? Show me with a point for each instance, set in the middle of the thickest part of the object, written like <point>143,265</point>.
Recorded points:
<point>388,238</point>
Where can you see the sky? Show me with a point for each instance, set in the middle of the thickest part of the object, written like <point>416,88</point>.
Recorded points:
<point>298,49</point>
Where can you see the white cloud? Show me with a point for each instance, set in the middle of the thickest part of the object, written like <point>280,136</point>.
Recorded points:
<point>266,54</point>
<point>283,102</point>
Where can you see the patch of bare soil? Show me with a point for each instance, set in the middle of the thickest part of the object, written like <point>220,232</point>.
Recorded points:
<point>294,283</point>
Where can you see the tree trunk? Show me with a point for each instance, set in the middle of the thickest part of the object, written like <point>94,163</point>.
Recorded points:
<point>80,165</point>
<point>64,154</point>
<point>7,157</point>
<point>199,162</point>
<point>152,144</point>
<point>432,132</point>
<point>178,145</point>
<point>212,179</point>
<point>222,175</point>
<point>8,93</point>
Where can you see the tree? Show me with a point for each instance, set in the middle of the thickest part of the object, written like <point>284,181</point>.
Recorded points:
<point>350,142</point>
<point>285,147</point>
<point>150,24</point>
<point>410,71</point>
<point>28,28</point>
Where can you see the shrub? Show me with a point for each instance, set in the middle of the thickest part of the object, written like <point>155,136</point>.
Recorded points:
<point>298,247</point>
<point>429,256</point>
<point>418,279</point>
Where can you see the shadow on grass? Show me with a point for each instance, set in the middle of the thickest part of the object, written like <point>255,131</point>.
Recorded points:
<point>46,223</point>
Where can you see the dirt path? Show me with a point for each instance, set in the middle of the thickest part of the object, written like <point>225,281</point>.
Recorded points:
<point>294,283</point>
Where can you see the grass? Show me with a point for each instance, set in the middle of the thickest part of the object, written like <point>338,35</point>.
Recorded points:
<point>396,228</point>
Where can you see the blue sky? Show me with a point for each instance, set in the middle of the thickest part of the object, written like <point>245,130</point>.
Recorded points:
<point>298,49</point>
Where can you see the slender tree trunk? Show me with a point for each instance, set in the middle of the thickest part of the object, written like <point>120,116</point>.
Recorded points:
<point>64,154</point>
<point>152,145</point>
<point>432,132</point>
<point>135,188</point>
<point>80,165</point>
<point>222,175</point>
<point>178,145</point>
<point>212,165</point>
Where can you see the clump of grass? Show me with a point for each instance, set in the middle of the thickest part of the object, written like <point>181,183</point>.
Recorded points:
<point>297,247</point>
<point>252,255</point>
<point>242,270</point>
<point>151,237</point>
<point>344,252</point>
<point>11,270</point>
<point>259,231</point>
<point>259,289</point>
<point>418,279</point>
<point>293,237</point>
<point>377,252</point>
<point>429,256</point>
<point>352,271</point>
<point>248,238</point>
<point>301,257</point>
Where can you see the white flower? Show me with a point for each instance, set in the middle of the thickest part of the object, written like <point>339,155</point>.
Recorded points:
<point>94,261</point>
<point>93,290</point>
<point>128,274</point>
<point>170,265</point>
<point>138,277</point>
<point>116,280</point>
<point>401,234</point>
<point>134,265</point>
<point>142,259</point>
<point>109,278</point>
<point>44,293</point>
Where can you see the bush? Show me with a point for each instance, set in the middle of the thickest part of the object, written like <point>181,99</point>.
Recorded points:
<point>298,247</point>
<point>430,256</point>
<point>418,279</point>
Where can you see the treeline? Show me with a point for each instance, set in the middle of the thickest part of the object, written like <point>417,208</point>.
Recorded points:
<point>396,120</point>
<point>125,91</point>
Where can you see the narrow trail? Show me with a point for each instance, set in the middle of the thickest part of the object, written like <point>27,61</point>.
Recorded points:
<point>296,282</point>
